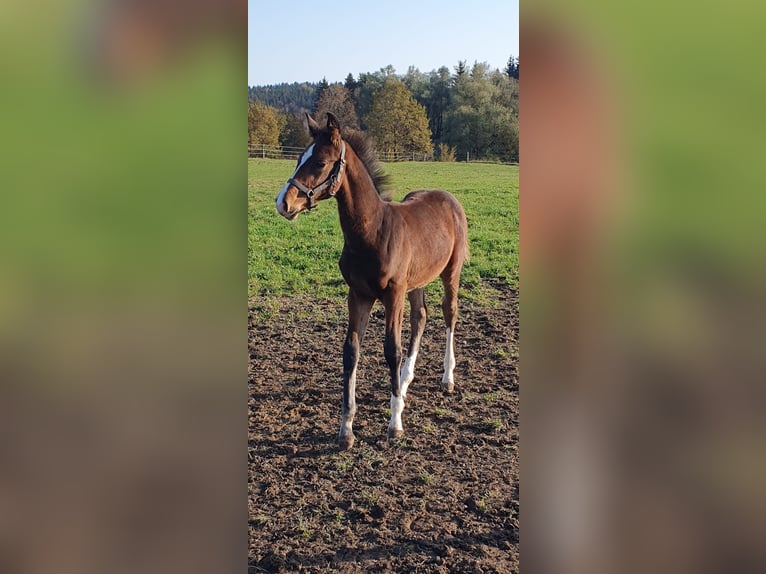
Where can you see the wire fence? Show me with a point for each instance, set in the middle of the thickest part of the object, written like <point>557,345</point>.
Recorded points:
<point>287,152</point>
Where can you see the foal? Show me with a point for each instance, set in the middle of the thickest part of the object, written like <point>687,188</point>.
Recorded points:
<point>391,250</point>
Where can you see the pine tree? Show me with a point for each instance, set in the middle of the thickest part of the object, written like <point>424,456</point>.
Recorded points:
<point>512,68</point>
<point>321,87</point>
<point>460,70</point>
<point>350,84</point>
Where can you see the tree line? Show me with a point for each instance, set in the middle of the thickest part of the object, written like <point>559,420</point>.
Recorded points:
<point>467,113</point>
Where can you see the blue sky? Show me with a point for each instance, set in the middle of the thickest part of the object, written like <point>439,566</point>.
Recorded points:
<point>297,40</point>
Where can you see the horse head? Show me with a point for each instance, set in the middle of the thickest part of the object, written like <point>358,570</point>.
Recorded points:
<point>319,172</point>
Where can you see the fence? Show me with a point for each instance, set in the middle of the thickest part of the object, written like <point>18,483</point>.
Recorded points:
<point>287,152</point>
<point>274,152</point>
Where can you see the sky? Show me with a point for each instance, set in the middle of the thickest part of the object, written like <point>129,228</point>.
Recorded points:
<point>301,41</point>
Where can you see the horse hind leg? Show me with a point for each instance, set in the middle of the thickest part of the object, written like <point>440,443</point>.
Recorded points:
<point>394,304</point>
<point>418,315</point>
<point>451,280</point>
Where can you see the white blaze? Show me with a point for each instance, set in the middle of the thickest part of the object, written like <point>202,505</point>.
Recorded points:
<point>281,197</point>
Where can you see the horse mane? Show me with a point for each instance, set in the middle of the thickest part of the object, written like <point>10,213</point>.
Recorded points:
<point>365,149</point>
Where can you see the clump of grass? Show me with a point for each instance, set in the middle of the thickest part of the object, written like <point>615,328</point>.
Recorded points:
<point>370,497</point>
<point>304,531</point>
<point>344,462</point>
<point>371,458</point>
<point>491,425</point>
<point>426,478</point>
<point>430,429</point>
<point>445,152</point>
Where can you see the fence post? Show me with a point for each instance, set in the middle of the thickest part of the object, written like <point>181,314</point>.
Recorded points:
<point>467,156</point>
<point>263,151</point>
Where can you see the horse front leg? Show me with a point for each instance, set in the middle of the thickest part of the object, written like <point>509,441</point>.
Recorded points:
<point>392,349</point>
<point>358,316</point>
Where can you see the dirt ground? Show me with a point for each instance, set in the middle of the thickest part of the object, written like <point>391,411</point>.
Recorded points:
<point>445,498</point>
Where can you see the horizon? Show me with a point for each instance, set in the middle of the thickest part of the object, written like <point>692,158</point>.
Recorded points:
<point>431,35</point>
<point>356,76</point>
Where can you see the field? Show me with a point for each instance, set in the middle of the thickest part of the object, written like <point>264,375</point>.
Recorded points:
<point>445,497</point>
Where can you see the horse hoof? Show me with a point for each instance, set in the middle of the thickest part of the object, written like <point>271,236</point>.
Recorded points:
<point>394,434</point>
<point>346,442</point>
<point>448,388</point>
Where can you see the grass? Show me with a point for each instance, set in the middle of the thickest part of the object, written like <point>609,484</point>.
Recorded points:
<point>370,498</point>
<point>490,425</point>
<point>344,462</point>
<point>302,256</point>
<point>427,478</point>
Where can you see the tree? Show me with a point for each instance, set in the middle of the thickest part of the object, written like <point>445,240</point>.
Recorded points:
<point>439,98</point>
<point>294,133</point>
<point>460,71</point>
<point>321,87</point>
<point>512,68</point>
<point>263,124</point>
<point>350,84</point>
<point>290,98</point>
<point>337,99</point>
<point>397,122</point>
<point>367,88</point>
<point>482,119</point>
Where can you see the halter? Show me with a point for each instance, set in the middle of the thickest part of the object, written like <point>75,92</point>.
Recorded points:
<point>330,182</point>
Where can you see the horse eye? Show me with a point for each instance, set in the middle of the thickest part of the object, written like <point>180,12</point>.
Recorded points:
<point>321,163</point>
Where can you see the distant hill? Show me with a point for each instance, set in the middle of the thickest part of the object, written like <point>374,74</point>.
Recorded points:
<point>291,98</point>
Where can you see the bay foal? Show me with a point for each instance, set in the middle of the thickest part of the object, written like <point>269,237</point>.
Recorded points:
<point>391,251</point>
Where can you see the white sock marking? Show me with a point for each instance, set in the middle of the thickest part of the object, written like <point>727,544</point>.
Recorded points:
<point>408,373</point>
<point>346,422</point>
<point>281,197</point>
<point>397,406</point>
<point>449,360</point>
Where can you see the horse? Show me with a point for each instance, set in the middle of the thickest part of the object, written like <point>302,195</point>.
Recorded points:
<point>391,250</point>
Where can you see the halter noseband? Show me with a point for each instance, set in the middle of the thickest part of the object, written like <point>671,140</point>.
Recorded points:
<point>330,182</point>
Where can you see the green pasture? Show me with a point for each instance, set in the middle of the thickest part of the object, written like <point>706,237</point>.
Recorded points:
<point>302,256</point>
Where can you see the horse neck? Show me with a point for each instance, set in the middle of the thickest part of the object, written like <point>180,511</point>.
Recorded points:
<point>359,204</point>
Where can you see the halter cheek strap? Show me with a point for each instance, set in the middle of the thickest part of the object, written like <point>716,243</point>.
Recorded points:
<point>330,182</point>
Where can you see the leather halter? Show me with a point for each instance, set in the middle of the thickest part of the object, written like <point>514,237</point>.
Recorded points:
<point>330,182</point>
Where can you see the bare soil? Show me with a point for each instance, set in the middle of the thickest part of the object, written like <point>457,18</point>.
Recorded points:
<point>444,498</point>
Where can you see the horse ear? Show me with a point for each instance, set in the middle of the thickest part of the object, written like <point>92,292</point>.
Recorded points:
<point>314,128</point>
<point>332,122</point>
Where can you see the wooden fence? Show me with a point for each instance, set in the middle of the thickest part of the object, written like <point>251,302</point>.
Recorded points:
<point>287,152</point>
